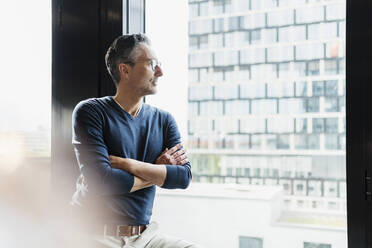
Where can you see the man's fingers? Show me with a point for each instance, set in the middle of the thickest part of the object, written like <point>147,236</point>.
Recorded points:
<point>181,157</point>
<point>174,148</point>
<point>184,161</point>
<point>165,150</point>
<point>178,153</point>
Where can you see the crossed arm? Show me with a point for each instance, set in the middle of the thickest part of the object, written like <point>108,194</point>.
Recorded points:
<point>147,174</point>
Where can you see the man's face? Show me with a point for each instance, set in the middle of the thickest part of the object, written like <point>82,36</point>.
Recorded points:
<point>143,77</point>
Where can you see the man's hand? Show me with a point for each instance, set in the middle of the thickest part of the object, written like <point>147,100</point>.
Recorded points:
<point>173,156</point>
<point>116,162</point>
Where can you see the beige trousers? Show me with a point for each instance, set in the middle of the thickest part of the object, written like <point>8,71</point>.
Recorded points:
<point>150,238</point>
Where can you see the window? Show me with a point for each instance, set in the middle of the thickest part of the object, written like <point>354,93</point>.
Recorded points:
<point>280,125</point>
<point>301,88</point>
<point>265,106</point>
<point>225,92</point>
<point>252,90</point>
<point>280,18</point>
<point>330,67</point>
<point>216,40</point>
<point>237,107</point>
<point>318,88</point>
<point>225,58</point>
<point>252,55</point>
<point>316,245</point>
<point>234,23</point>
<point>218,25</point>
<point>331,88</point>
<point>300,69</point>
<point>309,51</point>
<point>292,106</point>
<point>272,106</point>
<point>313,68</point>
<point>200,59</point>
<point>269,35</point>
<point>256,36</point>
<point>318,125</point>
<point>309,14</point>
<point>313,104</point>
<point>301,125</point>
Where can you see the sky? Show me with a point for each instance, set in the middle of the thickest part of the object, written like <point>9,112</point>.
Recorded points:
<point>25,64</point>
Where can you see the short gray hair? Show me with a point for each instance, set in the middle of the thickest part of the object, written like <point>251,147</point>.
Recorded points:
<point>123,50</point>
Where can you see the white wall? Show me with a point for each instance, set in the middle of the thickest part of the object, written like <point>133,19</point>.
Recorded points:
<point>218,220</point>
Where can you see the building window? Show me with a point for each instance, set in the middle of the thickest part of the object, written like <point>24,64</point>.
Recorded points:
<point>316,245</point>
<point>218,25</point>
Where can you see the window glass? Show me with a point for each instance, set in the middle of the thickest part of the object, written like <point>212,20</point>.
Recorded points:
<point>330,104</point>
<point>292,106</point>
<point>256,4</point>
<point>253,90</point>
<point>280,18</point>
<point>313,68</point>
<point>331,87</point>
<point>226,58</point>
<point>203,41</point>
<point>218,25</point>
<point>335,11</point>
<point>193,108</point>
<point>237,107</point>
<point>310,14</point>
<point>264,106</point>
<point>216,40</point>
<point>193,10</point>
<point>194,75</point>
<point>280,89</point>
<point>331,125</point>
<point>318,88</point>
<point>301,88</point>
<point>269,35</point>
<point>225,92</point>
<point>273,106</point>
<point>200,92</point>
<point>211,107</point>
<point>318,125</point>
<point>330,67</point>
<point>309,51</point>
<point>253,125</point>
<point>300,69</point>
<point>252,55</point>
<point>234,23</point>
<point>203,8</point>
<point>280,125</point>
<point>256,36</point>
<point>312,104</point>
<point>263,71</point>
<point>301,125</point>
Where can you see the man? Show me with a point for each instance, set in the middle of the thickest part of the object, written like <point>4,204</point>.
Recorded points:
<point>125,147</point>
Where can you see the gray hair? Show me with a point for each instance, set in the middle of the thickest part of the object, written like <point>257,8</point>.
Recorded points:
<point>123,50</point>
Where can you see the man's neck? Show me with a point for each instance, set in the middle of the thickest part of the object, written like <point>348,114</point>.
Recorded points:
<point>129,103</point>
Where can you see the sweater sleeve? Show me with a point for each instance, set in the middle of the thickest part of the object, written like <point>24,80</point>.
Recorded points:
<point>92,154</point>
<point>178,176</point>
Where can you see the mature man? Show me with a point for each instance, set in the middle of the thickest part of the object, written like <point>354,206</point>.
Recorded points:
<point>125,147</point>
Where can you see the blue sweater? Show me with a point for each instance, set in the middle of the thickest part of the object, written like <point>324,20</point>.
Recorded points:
<point>102,128</point>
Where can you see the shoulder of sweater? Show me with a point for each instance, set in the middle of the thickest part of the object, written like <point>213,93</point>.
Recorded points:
<point>155,110</point>
<point>91,104</point>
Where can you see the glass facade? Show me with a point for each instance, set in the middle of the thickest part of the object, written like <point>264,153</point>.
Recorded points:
<point>267,87</point>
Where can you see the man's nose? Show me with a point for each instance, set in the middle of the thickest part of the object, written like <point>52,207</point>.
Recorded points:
<point>158,71</point>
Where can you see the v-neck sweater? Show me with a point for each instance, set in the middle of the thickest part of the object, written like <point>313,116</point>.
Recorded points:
<point>102,128</point>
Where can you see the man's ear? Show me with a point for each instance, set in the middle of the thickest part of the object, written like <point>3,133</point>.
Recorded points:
<point>124,70</point>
